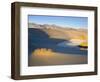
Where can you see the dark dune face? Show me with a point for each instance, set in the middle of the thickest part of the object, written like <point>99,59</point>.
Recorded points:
<point>39,39</point>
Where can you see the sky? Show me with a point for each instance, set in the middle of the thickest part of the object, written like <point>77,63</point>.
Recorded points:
<point>64,21</point>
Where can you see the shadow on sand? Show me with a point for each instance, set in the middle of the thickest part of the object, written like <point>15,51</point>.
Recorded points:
<point>37,38</point>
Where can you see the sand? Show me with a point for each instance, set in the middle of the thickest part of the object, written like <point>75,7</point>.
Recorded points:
<point>57,59</point>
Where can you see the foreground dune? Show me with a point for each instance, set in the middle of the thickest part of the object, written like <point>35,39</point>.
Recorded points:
<point>56,59</point>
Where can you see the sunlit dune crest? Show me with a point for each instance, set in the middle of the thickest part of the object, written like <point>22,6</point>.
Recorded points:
<point>42,52</point>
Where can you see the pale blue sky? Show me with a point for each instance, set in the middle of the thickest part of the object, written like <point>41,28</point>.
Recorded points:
<point>64,21</point>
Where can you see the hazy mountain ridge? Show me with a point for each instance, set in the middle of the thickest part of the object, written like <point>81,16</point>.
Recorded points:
<point>53,26</point>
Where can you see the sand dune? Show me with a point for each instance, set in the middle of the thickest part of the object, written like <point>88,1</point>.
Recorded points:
<point>57,59</point>
<point>66,33</point>
<point>61,43</point>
